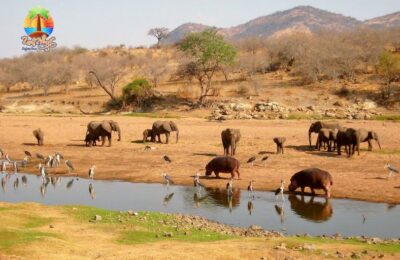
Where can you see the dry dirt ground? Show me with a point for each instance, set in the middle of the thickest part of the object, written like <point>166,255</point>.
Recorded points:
<point>360,177</point>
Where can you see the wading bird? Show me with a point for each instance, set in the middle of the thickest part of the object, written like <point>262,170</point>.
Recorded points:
<point>264,159</point>
<point>1,153</point>
<point>251,160</point>
<point>8,158</point>
<point>15,166</point>
<point>48,161</point>
<point>167,179</point>
<point>280,190</point>
<point>69,165</point>
<point>40,156</point>
<point>4,166</point>
<point>196,181</point>
<point>28,153</point>
<point>229,187</point>
<point>167,159</point>
<point>392,169</point>
<point>250,188</point>
<point>91,172</point>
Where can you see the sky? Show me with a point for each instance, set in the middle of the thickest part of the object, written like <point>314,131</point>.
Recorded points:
<point>99,23</point>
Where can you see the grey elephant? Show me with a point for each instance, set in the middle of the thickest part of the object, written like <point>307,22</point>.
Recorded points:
<point>164,127</point>
<point>368,135</point>
<point>230,137</point>
<point>316,126</point>
<point>279,141</point>
<point>347,137</point>
<point>327,137</point>
<point>39,135</point>
<point>103,129</point>
<point>148,133</point>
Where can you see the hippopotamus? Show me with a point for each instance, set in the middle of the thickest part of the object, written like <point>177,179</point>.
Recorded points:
<point>226,164</point>
<point>313,178</point>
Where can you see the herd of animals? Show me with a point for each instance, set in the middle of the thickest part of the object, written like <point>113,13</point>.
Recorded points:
<point>331,135</point>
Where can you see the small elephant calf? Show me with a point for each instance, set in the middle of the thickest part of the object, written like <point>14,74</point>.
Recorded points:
<point>91,140</point>
<point>279,141</point>
<point>39,135</point>
<point>148,133</point>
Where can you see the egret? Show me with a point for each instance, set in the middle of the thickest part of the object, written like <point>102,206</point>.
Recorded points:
<point>392,169</point>
<point>251,160</point>
<point>91,172</point>
<point>166,158</point>
<point>280,190</point>
<point>69,165</point>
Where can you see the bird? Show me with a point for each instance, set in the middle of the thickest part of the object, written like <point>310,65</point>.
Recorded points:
<point>91,172</point>
<point>251,160</point>
<point>28,153</point>
<point>264,159</point>
<point>392,169</point>
<point>57,159</point>
<point>168,180</point>
<point>250,187</point>
<point>4,166</point>
<point>40,156</point>
<point>168,198</point>
<point>60,155</point>
<point>24,179</point>
<point>91,191</point>
<point>15,166</point>
<point>148,147</point>
<point>48,160</point>
<point>229,187</point>
<point>69,165</point>
<point>1,153</point>
<point>167,159</point>
<point>196,181</point>
<point>8,158</point>
<point>42,171</point>
<point>280,190</point>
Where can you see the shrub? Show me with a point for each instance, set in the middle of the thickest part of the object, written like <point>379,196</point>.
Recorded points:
<point>137,92</point>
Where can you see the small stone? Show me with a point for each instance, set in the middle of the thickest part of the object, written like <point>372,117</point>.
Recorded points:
<point>255,227</point>
<point>309,247</point>
<point>355,255</point>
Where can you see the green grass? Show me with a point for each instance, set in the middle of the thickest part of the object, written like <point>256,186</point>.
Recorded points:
<point>293,242</point>
<point>153,115</point>
<point>144,228</point>
<point>386,117</point>
<point>34,222</point>
<point>10,238</point>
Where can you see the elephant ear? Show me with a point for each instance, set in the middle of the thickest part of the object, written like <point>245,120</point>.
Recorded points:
<point>167,126</point>
<point>106,126</point>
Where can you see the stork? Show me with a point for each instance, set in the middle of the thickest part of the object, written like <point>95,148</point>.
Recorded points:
<point>69,165</point>
<point>196,181</point>
<point>264,159</point>
<point>166,158</point>
<point>91,172</point>
<point>27,153</point>
<point>280,190</point>
<point>167,179</point>
<point>251,160</point>
<point>48,160</point>
<point>392,169</point>
<point>250,188</point>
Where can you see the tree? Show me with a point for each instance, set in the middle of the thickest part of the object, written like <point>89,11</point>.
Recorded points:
<point>208,53</point>
<point>137,92</point>
<point>389,69</point>
<point>159,32</point>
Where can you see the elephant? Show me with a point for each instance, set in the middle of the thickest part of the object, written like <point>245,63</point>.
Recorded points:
<point>91,140</point>
<point>368,135</point>
<point>327,136</point>
<point>230,137</point>
<point>316,126</point>
<point>39,135</point>
<point>347,137</point>
<point>279,141</point>
<point>148,133</point>
<point>164,127</point>
<point>103,129</point>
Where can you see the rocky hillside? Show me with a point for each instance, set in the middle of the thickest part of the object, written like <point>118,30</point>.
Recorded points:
<point>299,19</point>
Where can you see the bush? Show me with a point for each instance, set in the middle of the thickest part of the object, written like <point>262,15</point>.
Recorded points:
<point>344,91</point>
<point>137,93</point>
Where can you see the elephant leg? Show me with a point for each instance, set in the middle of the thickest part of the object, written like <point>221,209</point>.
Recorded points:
<point>217,175</point>
<point>238,174</point>
<point>327,192</point>
<point>302,190</point>
<point>109,139</point>
<point>369,145</point>
<point>167,137</point>
<point>312,191</point>
<point>159,138</point>
<point>282,149</point>
<point>103,140</point>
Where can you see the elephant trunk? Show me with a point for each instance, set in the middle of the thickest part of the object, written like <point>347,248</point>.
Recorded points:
<point>119,133</point>
<point>177,135</point>
<point>379,143</point>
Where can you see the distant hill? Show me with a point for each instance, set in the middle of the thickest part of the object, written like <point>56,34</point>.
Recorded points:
<point>299,19</point>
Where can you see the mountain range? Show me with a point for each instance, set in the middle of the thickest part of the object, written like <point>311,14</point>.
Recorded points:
<point>305,19</point>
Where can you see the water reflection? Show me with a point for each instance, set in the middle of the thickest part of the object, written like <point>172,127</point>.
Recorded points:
<point>221,197</point>
<point>315,211</point>
<point>168,198</point>
<point>280,210</point>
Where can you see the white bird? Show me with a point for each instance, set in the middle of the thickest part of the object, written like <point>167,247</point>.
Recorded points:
<point>229,187</point>
<point>43,172</point>
<point>15,166</point>
<point>196,180</point>
<point>1,153</point>
<point>280,190</point>
<point>4,166</point>
<point>168,180</point>
<point>8,158</point>
<point>48,160</point>
<point>91,172</point>
<point>392,169</point>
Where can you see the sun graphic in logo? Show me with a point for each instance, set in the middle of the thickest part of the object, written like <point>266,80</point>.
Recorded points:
<point>38,23</point>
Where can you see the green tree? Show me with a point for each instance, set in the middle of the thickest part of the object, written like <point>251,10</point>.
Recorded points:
<point>389,69</point>
<point>208,53</point>
<point>137,92</point>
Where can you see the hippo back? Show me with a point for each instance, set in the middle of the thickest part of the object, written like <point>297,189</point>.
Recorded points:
<point>223,163</point>
<point>312,177</point>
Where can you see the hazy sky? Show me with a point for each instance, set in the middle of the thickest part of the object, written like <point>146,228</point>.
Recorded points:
<point>98,23</point>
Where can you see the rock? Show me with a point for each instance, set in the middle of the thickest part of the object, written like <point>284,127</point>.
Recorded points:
<point>330,114</point>
<point>376,240</point>
<point>51,226</point>
<point>241,107</point>
<point>339,254</point>
<point>168,234</point>
<point>339,103</point>
<point>225,117</point>
<point>312,108</point>
<point>284,116</point>
<point>282,246</point>
<point>243,116</point>
<point>132,213</point>
<point>355,255</point>
<point>309,246</point>
<point>368,104</point>
<point>97,218</point>
<point>255,227</point>
<point>359,116</point>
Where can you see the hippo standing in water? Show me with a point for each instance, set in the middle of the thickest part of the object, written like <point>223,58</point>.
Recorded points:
<point>313,178</point>
<point>226,164</point>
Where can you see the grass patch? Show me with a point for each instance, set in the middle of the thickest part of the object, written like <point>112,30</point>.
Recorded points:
<point>300,115</point>
<point>11,238</point>
<point>153,115</point>
<point>395,118</point>
<point>34,222</point>
<point>145,227</point>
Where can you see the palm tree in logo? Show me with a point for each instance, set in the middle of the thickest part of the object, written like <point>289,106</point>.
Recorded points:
<point>40,14</point>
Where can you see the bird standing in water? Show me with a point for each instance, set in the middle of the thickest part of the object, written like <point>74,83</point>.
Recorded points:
<point>69,165</point>
<point>280,190</point>
<point>392,169</point>
<point>91,172</point>
<point>196,180</point>
<point>168,180</point>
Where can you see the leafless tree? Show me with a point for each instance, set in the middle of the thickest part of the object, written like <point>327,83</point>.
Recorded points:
<point>159,32</point>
